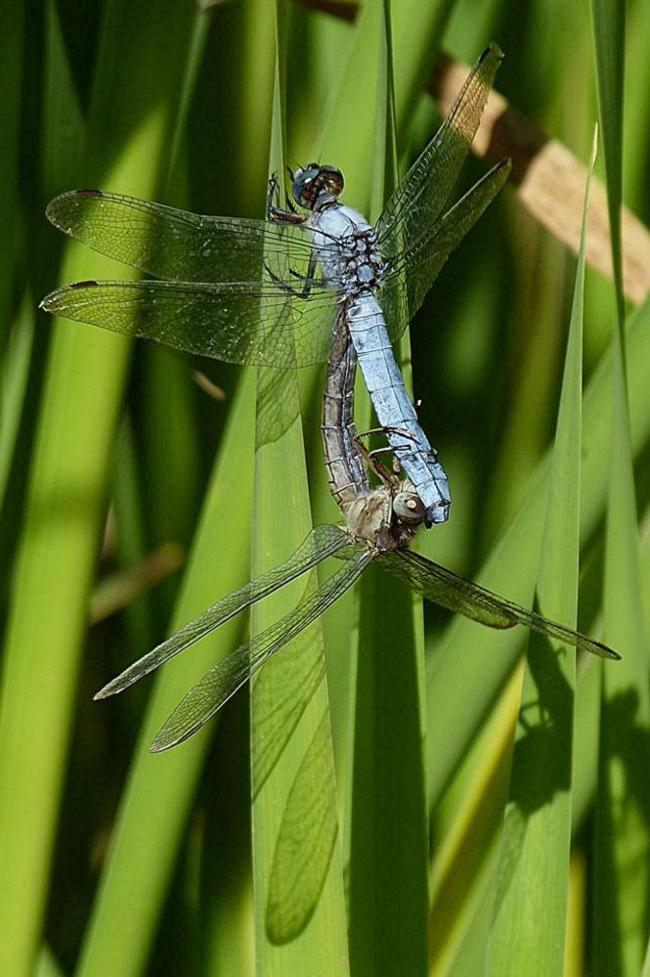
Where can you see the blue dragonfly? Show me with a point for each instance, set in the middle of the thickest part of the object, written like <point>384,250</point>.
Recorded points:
<point>247,291</point>
<point>267,292</point>
<point>290,291</point>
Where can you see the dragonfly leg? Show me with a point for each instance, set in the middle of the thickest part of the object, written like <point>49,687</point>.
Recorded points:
<point>307,280</point>
<point>373,462</point>
<point>271,194</point>
<point>370,455</point>
<point>404,431</point>
<point>387,429</point>
<point>276,214</point>
<point>297,292</point>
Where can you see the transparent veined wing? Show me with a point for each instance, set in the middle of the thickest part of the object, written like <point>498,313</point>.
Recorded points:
<point>321,542</point>
<point>178,245</point>
<point>420,198</point>
<point>261,325</point>
<point>412,273</point>
<point>204,700</point>
<point>447,589</point>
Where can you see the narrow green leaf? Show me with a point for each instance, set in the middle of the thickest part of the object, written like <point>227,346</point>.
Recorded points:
<point>161,891</point>
<point>537,829</point>
<point>388,820</point>
<point>12,32</point>
<point>300,924</point>
<point>130,124</point>
<point>609,43</point>
<point>136,876</point>
<point>350,137</point>
<point>471,662</point>
<point>14,372</point>
<point>622,849</point>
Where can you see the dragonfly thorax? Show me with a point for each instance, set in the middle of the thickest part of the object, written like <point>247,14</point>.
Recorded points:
<point>386,519</point>
<point>361,266</point>
<point>347,249</point>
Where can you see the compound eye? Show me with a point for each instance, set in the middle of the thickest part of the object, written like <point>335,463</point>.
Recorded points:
<point>332,179</point>
<point>304,185</point>
<point>311,181</point>
<point>408,507</point>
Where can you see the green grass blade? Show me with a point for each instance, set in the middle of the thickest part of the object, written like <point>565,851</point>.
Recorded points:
<point>178,106</point>
<point>47,965</point>
<point>622,880</point>
<point>609,42</point>
<point>12,28</point>
<point>65,508</point>
<point>136,875</point>
<point>468,827</point>
<point>47,623</point>
<point>351,137</point>
<point>300,924</point>
<point>622,872</point>
<point>220,563</point>
<point>288,938</point>
<point>471,663</point>
<point>14,372</point>
<point>388,841</point>
<point>388,836</point>
<point>537,829</point>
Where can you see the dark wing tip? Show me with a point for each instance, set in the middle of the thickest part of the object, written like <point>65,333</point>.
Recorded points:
<point>491,51</point>
<point>51,302</point>
<point>161,743</point>
<point>48,302</point>
<point>609,652</point>
<point>597,648</point>
<point>52,209</point>
<point>502,171</point>
<point>115,685</point>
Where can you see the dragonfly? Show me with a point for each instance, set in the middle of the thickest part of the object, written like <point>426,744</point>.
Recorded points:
<point>233,289</point>
<point>381,522</point>
<point>267,292</point>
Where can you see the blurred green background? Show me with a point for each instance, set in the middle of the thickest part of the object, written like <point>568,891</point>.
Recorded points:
<point>110,452</point>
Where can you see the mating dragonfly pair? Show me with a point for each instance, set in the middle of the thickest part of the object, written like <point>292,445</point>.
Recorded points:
<point>290,291</point>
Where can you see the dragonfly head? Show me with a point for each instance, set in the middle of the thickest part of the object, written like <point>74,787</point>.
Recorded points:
<point>408,507</point>
<point>314,186</point>
<point>411,510</point>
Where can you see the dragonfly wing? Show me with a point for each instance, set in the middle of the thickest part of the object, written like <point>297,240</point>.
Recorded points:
<point>234,322</point>
<point>414,272</point>
<point>305,842</point>
<point>221,682</point>
<point>447,589</point>
<point>176,244</point>
<point>322,541</point>
<point>420,198</point>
